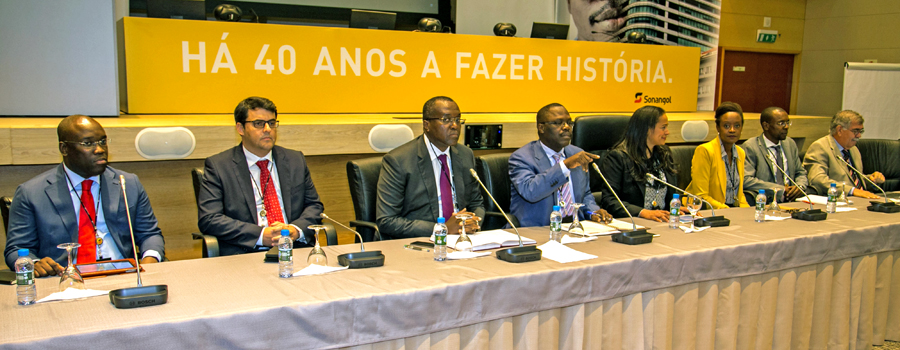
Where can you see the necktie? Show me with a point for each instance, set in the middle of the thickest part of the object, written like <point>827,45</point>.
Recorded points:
<point>853,175</point>
<point>779,176</point>
<point>446,189</point>
<point>565,193</point>
<point>87,235</point>
<point>270,197</point>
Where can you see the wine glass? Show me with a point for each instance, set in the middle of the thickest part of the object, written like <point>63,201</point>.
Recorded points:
<point>317,254</point>
<point>464,243</point>
<point>694,204</point>
<point>843,197</point>
<point>575,227</point>
<point>773,207</point>
<point>70,277</point>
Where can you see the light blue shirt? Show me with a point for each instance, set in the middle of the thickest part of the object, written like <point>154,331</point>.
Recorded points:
<point>434,152</point>
<point>840,150</point>
<point>562,156</point>
<point>108,249</point>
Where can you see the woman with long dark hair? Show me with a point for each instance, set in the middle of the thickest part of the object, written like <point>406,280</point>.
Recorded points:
<point>717,170</point>
<point>642,151</point>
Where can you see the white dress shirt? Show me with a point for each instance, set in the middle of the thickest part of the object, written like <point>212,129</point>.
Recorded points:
<point>257,189</point>
<point>434,152</point>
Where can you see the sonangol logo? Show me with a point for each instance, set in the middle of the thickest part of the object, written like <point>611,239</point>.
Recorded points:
<point>647,99</point>
<point>637,97</point>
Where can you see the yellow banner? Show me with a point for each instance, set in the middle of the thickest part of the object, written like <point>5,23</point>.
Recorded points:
<point>179,66</point>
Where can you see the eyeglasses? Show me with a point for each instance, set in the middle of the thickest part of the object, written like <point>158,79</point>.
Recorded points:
<point>448,120</point>
<point>90,144</point>
<point>259,124</point>
<point>784,123</point>
<point>559,123</point>
<point>858,131</point>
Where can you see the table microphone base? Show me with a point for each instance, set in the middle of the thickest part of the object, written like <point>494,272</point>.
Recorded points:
<point>361,260</point>
<point>712,221</point>
<point>128,298</point>
<point>883,207</point>
<point>519,254</point>
<point>810,215</point>
<point>638,236</point>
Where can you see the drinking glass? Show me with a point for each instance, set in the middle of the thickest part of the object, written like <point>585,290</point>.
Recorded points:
<point>843,197</point>
<point>317,254</point>
<point>575,227</point>
<point>70,277</point>
<point>694,204</point>
<point>464,243</point>
<point>773,207</point>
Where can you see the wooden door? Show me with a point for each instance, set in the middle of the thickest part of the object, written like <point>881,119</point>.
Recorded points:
<point>757,80</point>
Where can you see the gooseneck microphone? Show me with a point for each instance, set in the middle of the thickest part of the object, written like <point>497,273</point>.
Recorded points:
<point>362,259</point>
<point>805,215</point>
<point>518,254</point>
<point>636,235</point>
<point>887,206</point>
<point>712,221</point>
<point>140,296</point>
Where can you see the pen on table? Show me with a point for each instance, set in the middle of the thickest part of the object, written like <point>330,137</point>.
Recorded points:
<point>412,247</point>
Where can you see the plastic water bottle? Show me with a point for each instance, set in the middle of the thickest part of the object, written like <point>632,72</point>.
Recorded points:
<point>440,240</point>
<point>285,255</point>
<point>761,206</point>
<point>26,293</point>
<point>555,224</point>
<point>831,206</point>
<point>675,211</point>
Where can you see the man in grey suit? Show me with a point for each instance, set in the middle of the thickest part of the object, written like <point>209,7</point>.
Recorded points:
<point>80,201</point>
<point>428,178</point>
<point>256,189</point>
<point>773,149</point>
<point>823,163</point>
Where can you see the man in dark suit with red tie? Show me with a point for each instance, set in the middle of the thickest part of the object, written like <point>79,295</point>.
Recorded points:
<point>254,190</point>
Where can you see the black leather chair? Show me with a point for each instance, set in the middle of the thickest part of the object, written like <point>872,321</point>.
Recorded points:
<point>210,244</point>
<point>362,174</point>
<point>493,169</point>
<point>597,134</point>
<point>683,156</point>
<point>5,203</point>
<point>882,156</point>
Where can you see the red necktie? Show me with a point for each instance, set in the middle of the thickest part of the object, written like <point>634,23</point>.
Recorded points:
<point>270,197</point>
<point>87,235</point>
<point>446,189</point>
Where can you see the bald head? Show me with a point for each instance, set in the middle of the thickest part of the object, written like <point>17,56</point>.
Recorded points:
<point>83,145</point>
<point>68,128</point>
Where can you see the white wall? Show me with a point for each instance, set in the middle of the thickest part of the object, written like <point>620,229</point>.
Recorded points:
<point>58,57</point>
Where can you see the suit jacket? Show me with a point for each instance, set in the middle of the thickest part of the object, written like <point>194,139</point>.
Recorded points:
<point>42,216</point>
<point>824,167</point>
<point>227,205</point>
<point>617,168</point>
<point>535,184</point>
<point>709,175</point>
<point>759,170</point>
<point>407,203</point>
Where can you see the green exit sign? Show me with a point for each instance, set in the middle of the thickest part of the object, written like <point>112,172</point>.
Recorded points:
<point>766,36</point>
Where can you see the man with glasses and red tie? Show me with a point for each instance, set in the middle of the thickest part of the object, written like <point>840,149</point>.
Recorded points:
<point>770,151</point>
<point>255,189</point>
<point>428,178</point>
<point>550,172</point>
<point>80,201</point>
<point>824,167</point>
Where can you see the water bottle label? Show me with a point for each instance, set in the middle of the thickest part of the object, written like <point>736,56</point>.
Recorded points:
<point>285,255</point>
<point>24,278</point>
<point>760,206</point>
<point>832,197</point>
<point>440,239</point>
<point>555,226</point>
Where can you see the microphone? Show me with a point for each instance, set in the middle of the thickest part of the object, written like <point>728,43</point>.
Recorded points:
<point>140,296</point>
<point>362,259</point>
<point>635,236</point>
<point>712,221</point>
<point>518,254</point>
<point>886,207</point>
<point>805,215</point>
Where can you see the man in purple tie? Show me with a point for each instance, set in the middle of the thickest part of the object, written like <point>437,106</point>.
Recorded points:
<point>428,178</point>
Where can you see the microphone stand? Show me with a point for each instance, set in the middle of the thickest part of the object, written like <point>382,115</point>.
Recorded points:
<point>140,296</point>
<point>636,235</point>
<point>888,206</point>
<point>805,215</point>
<point>712,221</point>
<point>361,259</point>
<point>519,254</point>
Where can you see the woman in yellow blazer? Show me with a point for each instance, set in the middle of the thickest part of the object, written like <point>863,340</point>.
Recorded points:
<point>721,183</point>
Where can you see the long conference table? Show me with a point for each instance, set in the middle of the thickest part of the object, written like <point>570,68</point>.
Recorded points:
<point>774,285</point>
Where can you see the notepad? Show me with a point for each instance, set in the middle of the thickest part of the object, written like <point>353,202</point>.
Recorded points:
<point>816,199</point>
<point>491,239</point>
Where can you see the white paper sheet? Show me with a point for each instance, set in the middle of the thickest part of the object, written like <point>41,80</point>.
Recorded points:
<point>73,293</point>
<point>688,229</point>
<point>555,251</point>
<point>597,229</point>
<point>816,199</point>
<point>466,255</point>
<point>576,239</point>
<point>776,218</point>
<point>315,269</point>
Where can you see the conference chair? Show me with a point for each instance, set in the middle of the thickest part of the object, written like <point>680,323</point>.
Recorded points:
<point>598,134</point>
<point>683,155</point>
<point>493,169</point>
<point>210,244</point>
<point>362,175</point>
<point>882,156</point>
<point>5,203</point>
